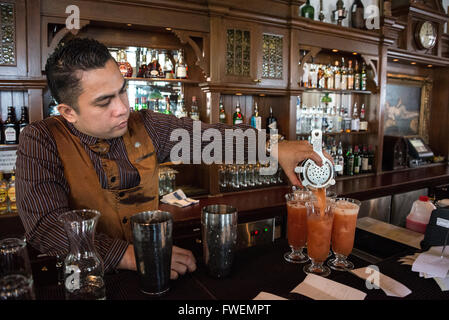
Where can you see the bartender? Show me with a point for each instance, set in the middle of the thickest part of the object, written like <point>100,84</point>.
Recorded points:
<point>99,155</point>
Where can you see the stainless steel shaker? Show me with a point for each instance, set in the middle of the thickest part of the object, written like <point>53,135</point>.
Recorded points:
<point>219,237</point>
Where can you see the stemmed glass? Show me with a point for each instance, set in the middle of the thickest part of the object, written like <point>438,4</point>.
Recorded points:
<point>319,230</point>
<point>297,225</point>
<point>343,232</point>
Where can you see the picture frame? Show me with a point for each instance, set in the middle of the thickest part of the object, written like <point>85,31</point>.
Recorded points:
<point>407,106</point>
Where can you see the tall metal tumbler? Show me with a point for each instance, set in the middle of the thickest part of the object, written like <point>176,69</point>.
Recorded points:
<point>219,236</point>
<point>152,234</point>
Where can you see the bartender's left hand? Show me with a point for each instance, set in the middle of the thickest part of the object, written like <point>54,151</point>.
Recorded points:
<point>182,261</point>
<point>291,153</point>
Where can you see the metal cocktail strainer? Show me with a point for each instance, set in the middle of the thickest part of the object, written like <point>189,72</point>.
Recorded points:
<point>310,174</point>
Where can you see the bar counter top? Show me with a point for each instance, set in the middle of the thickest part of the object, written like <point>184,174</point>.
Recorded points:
<point>263,268</point>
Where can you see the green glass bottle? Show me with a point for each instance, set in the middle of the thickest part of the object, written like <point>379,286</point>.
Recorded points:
<point>238,116</point>
<point>308,11</point>
<point>222,114</point>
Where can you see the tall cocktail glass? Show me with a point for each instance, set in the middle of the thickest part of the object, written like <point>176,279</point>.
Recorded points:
<point>343,232</point>
<point>297,225</point>
<point>319,231</point>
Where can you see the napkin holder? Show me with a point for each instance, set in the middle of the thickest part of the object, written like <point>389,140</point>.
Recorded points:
<point>437,229</point>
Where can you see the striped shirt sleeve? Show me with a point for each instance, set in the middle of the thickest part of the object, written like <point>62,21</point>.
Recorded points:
<point>42,196</point>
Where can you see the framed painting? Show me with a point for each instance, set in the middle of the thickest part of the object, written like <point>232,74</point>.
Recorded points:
<point>407,106</point>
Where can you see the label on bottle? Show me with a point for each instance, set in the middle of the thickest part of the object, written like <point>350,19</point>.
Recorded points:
<point>364,164</point>
<point>337,83</point>
<point>355,124</point>
<point>356,169</point>
<point>363,125</point>
<point>357,82</point>
<point>12,194</point>
<point>154,73</point>
<point>10,134</point>
<point>256,122</point>
<point>123,69</point>
<point>181,72</point>
<point>238,121</point>
<point>3,196</point>
<point>273,125</point>
<point>344,83</point>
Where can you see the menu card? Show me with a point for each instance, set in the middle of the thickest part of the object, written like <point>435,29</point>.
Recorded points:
<point>268,296</point>
<point>319,288</point>
<point>390,286</point>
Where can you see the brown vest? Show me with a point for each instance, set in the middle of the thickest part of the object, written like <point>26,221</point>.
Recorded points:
<point>116,206</point>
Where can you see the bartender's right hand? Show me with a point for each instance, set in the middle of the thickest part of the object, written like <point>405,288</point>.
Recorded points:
<point>182,260</point>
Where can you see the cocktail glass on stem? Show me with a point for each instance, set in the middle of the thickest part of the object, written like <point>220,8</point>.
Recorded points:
<point>343,232</point>
<point>319,231</point>
<point>297,225</point>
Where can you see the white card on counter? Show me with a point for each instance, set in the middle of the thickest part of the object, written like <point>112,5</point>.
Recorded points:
<point>431,263</point>
<point>390,286</point>
<point>268,296</point>
<point>319,288</point>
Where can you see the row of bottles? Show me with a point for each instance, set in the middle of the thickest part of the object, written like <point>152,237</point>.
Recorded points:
<point>241,176</point>
<point>356,160</point>
<point>255,120</point>
<point>330,119</point>
<point>337,77</point>
<point>7,194</point>
<point>11,128</point>
<point>153,69</point>
<point>339,14</point>
<point>168,106</point>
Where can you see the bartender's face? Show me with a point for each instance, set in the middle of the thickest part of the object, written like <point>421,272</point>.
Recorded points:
<point>103,107</point>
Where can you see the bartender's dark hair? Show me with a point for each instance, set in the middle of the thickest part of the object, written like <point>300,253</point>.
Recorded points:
<point>65,63</point>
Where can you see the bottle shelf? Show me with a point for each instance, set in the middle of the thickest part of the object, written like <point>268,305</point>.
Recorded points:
<point>321,90</point>
<point>356,176</point>
<point>161,80</point>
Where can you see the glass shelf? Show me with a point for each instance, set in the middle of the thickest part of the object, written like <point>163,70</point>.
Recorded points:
<point>320,90</point>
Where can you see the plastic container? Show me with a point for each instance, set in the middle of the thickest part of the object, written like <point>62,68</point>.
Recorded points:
<point>419,216</point>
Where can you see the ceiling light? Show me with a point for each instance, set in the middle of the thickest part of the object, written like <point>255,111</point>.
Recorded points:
<point>413,62</point>
<point>334,50</point>
<point>395,60</point>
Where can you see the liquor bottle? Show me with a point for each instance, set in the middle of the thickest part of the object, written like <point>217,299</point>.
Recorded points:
<point>347,121</point>
<point>143,65</point>
<point>12,194</point>
<point>349,162</point>
<point>321,79</point>
<point>363,122</point>
<point>194,112</point>
<point>344,75</point>
<point>355,122</point>
<point>256,119</point>
<point>370,159</point>
<point>10,128</point>
<point>329,77</point>
<point>237,118</point>
<point>23,122</point>
<point>340,159</point>
<point>337,120</point>
<point>307,11</point>
<point>350,76</point>
<point>337,76</point>
<point>182,112</point>
<point>168,68</point>
<point>181,67</point>
<point>167,106</point>
<point>157,106</point>
<point>137,105</point>
<point>365,160</point>
<point>271,122</point>
<point>357,76</point>
<point>144,104</point>
<point>222,114</point>
<point>154,68</point>
<point>357,15</point>
<point>357,160</point>
<point>363,78</point>
<point>125,68</point>
<point>3,195</point>
<point>313,76</point>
